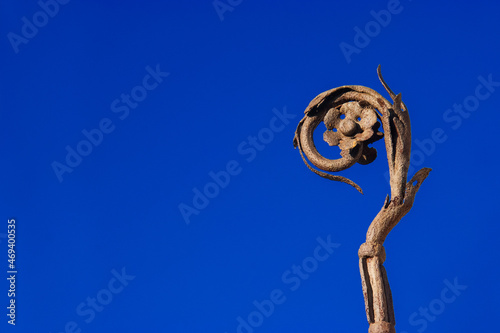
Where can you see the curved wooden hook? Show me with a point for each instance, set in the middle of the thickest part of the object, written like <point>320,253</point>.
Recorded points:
<point>354,138</point>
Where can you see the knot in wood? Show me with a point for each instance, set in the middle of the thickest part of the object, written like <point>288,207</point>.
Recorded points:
<point>370,250</point>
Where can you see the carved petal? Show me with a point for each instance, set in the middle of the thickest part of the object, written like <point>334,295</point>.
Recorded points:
<point>332,118</point>
<point>332,138</point>
<point>351,109</point>
<point>348,143</point>
<point>369,155</point>
<point>365,135</point>
<point>368,118</point>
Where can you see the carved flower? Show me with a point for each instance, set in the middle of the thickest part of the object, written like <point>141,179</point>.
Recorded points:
<point>350,125</point>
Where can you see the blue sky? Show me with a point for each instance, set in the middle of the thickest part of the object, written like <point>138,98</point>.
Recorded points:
<point>116,115</point>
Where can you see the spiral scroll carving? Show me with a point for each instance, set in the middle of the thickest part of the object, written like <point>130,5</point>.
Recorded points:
<point>352,116</point>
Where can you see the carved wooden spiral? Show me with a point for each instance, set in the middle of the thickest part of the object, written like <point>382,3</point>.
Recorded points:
<point>352,116</point>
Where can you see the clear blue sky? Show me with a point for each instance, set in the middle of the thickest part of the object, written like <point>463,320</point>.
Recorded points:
<point>116,115</point>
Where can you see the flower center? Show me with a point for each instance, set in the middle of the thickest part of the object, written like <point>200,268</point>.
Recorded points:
<point>348,127</point>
